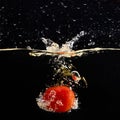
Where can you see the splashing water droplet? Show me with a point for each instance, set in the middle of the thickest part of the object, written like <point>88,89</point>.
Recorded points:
<point>50,45</point>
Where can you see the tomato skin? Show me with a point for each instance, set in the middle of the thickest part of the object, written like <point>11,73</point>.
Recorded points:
<point>61,98</point>
<point>74,77</point>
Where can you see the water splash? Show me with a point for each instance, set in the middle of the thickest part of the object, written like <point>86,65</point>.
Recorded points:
<point>71,43</point>
<point>50,45</point>
<point>66,50</point>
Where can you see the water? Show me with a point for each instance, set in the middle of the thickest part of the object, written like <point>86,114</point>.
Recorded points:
<point>63,71</point>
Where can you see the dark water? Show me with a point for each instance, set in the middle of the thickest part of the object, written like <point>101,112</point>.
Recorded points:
<point>23,77</point>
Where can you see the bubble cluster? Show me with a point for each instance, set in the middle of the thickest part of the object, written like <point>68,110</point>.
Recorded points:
<point>61,95</point>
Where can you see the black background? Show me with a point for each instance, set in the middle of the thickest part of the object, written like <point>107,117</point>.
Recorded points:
<point>23,77</point>
<point>23,23</point>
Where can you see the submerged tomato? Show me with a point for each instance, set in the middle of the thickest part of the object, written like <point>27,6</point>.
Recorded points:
<point>60,98</point>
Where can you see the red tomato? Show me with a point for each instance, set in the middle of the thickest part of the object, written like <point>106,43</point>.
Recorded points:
<point>60,98</point>
<point>74,77</point>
